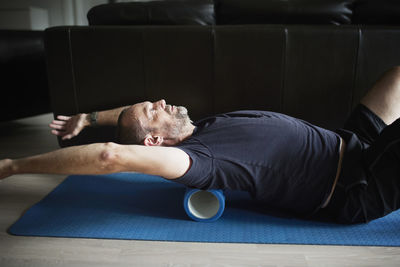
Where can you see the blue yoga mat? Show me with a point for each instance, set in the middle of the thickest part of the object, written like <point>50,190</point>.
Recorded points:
<point>144,207</point>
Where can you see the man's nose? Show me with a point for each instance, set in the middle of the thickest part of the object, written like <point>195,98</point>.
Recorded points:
<point>161,103</point>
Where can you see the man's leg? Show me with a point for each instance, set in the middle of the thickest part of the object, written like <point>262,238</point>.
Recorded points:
<point>384,97</point>
<point>379,194</point>
<point>382,158</point>
<point>377,109</point>
<point>382,195</point>
<point>384,100</point>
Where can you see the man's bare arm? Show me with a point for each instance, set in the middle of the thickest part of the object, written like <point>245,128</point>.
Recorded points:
<point>70,126</point>
<point>109,117</point>
<point>102,158</point>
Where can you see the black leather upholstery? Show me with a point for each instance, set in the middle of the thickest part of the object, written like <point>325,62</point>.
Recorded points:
<point>283,11</point>
<point>175,12</point>
<point>369,12</point>
<point>319,80</point>
<point>209,12</point>
<point>249,67</point>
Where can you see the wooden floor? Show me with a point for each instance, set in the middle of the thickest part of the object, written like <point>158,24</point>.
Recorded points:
<point>18,193</point>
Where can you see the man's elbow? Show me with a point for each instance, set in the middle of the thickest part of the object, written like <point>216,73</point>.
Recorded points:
<point>109,158</point>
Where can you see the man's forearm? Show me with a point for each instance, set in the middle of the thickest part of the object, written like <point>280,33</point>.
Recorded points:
<point>87,159</point>
<point>109,117</point>
<point>68,127</point>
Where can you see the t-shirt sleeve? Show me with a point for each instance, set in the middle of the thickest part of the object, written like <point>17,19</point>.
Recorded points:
<point>201,169</point>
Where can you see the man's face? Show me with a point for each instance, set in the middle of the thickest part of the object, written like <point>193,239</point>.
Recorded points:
<point>167,120</point>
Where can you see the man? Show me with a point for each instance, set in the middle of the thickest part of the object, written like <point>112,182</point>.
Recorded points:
<point>352,176</point>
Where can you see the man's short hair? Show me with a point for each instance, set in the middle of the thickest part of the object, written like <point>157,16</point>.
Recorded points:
<point>132,133</point>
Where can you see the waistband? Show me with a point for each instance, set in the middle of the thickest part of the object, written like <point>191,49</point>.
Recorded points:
<point>352,172</point>
<point>353,165</point>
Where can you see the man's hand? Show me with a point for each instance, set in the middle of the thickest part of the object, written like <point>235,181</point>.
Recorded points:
<point>69,127</point>
<point>6,168</point>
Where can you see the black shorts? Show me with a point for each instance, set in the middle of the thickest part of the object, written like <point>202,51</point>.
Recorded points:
<point>365,124</point>
<point>363,191</point>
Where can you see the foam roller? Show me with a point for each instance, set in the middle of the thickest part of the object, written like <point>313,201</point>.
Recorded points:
<point>204,205</point>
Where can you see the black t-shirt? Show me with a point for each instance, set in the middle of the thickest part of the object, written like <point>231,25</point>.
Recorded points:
<point>286,162</point>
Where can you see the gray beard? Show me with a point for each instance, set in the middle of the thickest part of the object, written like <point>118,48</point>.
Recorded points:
<point>181,122</point>
<point>182,112</point>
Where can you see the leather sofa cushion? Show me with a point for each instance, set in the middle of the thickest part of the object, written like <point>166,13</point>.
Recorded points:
<point>377,12</point>
<point>175,12</point>
<point>284,11</point>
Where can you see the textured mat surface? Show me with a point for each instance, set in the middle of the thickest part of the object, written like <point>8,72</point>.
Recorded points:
<point>143,207</point>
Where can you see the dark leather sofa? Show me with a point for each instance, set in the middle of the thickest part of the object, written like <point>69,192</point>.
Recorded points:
<point>307,58</point>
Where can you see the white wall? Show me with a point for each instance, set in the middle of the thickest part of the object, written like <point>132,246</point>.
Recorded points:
<point>40,14</point>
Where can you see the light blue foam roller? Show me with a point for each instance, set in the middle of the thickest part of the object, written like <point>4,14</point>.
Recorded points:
<point>204,205</point>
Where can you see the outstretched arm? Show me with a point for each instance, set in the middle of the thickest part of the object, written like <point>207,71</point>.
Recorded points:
<point>70,126</point>
<point>102,158</point>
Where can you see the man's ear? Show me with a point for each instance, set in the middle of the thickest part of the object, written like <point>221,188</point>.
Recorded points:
<point>150,140</point>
